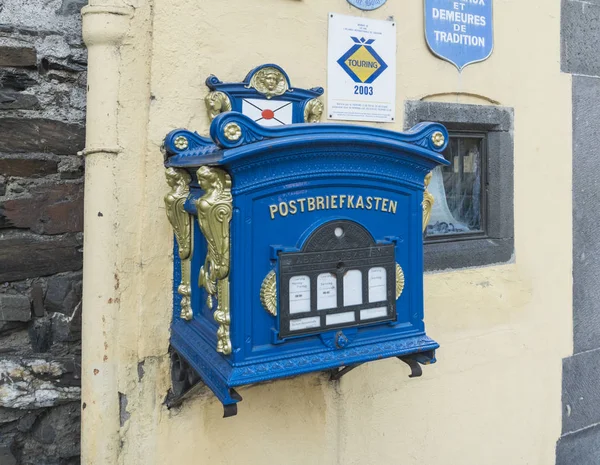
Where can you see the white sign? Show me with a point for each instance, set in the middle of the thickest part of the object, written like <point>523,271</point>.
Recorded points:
<point>377,284</point>
<point>299,294</point>
<point>352,288</point>
<point>326,291</point>
<point>305,323</point>
<point>361,69</point>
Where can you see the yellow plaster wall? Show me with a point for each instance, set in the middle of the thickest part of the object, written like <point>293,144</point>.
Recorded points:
<point>494,395</point>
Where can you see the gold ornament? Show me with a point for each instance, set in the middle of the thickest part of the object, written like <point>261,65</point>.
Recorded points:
<point>216,103</point>
<point>399,281</point>
<point>438,139</point>
<point>269,81</point>
<point>214,215</point>
<point>180,220</point>
<point>427,201</point>
<point>232,131</point>
<point>313,111</point>
<point>268,293</point>
<point>181,143</point>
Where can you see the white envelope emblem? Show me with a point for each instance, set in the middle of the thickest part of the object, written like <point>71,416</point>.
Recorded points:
<point>268,112</point>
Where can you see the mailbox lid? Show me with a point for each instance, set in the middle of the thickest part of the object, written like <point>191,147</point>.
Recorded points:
<point>236,138</point>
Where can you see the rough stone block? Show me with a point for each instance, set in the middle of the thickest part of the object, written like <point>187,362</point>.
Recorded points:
<point>9,326</point>
<point>500,194</point>
<point>6,456</point>
<point>61,328</point>
<point>70,66</point>
<point>70,167</point>
<point>586,210</point>
<point>462,254</point>
<point>15,341</point>
<point>28,383</point>
<point>48,209</point>
<point>16,101</point>
<point>40,135</point>
<point>8,415</point>
<point>27,421</point>
<point>16,80</point>
<point>40,335</point>
<point>14,308</point>
<point>70,7</point>
<point>467,116</point>
<point>29,165</point>
<point>580,41</point>
<point>37,297</point>
<point>60,429</point>
<point>63,294</point>
<point>581,448</point>
<point>26,255</point>
<point>17,56</point>
<point>581,396</point>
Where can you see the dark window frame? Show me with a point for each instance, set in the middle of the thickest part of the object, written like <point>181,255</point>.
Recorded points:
<point>497,246</point>
<point>465,236</point>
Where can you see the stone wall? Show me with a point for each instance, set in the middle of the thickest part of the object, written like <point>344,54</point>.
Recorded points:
<point>42,111</point>
<point>580,38</point>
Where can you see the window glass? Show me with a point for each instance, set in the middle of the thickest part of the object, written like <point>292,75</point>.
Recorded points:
<point>457,189</point>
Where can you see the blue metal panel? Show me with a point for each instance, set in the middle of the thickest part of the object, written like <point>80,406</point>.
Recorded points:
<point>288,183</point>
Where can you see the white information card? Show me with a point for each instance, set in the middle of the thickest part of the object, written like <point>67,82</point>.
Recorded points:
<point>326,291</point>
<point>361,69</point>
<point>299,294</point>
<point>377,284</point>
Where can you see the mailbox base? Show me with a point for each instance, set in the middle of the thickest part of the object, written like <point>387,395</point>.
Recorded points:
<point>222,377</point>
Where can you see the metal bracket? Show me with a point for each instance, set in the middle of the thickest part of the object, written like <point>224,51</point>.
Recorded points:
<point>337,373</point>
<point>184,381</point>
<point>415,368</point>
<point>414,361</point>
<point>230,410</point>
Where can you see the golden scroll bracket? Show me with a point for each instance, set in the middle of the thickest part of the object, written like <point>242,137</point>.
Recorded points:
<point>214,217</point>
<point>180,220</point>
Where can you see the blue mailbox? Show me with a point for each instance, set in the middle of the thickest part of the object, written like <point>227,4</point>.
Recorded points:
<point>299,249</point>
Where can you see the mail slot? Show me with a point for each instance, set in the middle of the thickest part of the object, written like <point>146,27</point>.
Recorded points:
<point>341,279</point>
<point>298,249</point>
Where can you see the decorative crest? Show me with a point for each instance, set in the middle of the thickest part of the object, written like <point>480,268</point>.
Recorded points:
<point>269,81</point>
<point>266,96</point>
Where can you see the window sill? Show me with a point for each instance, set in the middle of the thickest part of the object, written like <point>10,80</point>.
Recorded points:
<point>466,253</point>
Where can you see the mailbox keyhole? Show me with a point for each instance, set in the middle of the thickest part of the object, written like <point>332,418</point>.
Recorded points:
<point>340,265</point>
<point>339,232</point>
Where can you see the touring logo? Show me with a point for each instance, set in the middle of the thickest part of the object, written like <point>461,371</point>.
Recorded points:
<point>361,62</point>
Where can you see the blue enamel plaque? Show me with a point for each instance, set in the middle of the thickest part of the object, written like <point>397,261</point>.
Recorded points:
<point>459,31</point>
<point>306,252</point>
